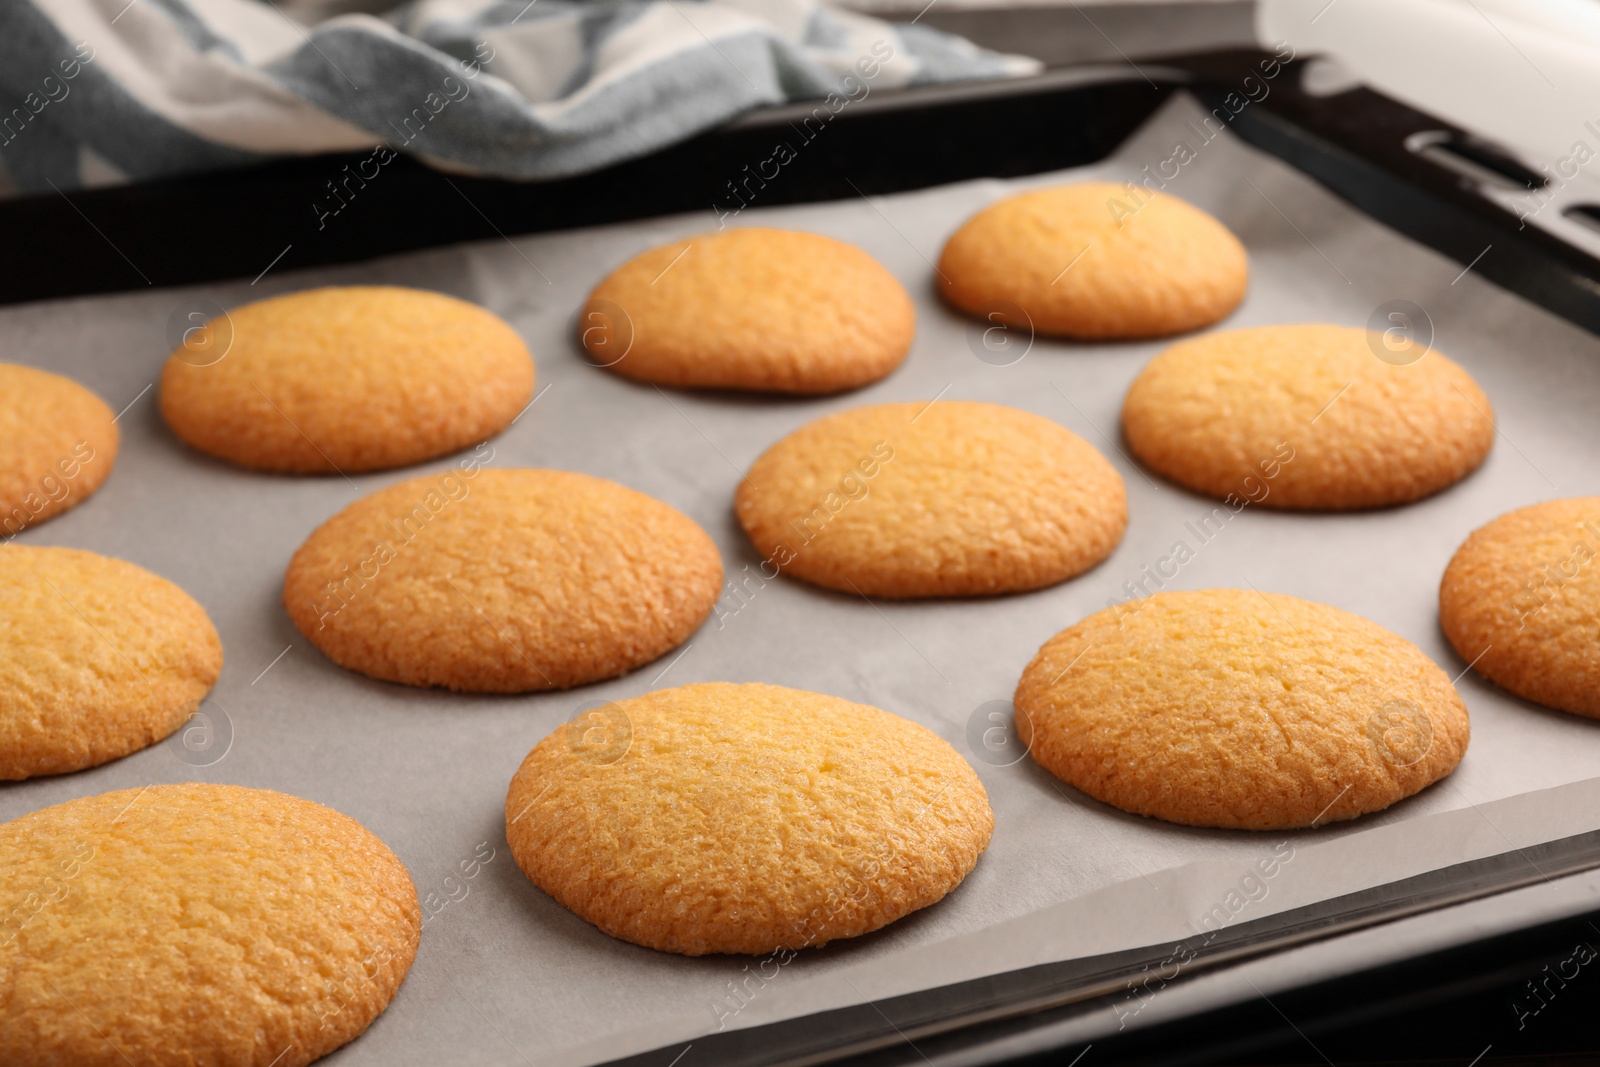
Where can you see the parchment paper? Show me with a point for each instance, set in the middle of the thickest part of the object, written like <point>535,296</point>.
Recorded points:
<point>505,975</point>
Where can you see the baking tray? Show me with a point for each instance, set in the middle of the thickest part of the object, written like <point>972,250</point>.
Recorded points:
<point>1073,898</point>
<point>1387,158</point>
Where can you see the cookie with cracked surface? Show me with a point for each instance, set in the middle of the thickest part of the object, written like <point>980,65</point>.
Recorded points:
<point>346,379</point>
<point>1220,413</point>
<point>196,924</point>
<point>1239,709</point>
<point>503,581</point>
<point>57,444</point>
<point>953,498</point>
<point>749,819</point>
<point>756,309</point>
<point>1087,262</point>
<point>98,658</point>
<point>1520,601</point>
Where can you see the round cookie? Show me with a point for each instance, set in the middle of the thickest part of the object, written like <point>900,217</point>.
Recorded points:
<point>196,924</point>
<point>1239,709</point>
<point>953,498</point>
<point>1521,602</point>
<point>744,818</point>
<point>57,444</point>
<point>768,310</point>
<point>1095,262</point>
<point>346,379</point>
<point>98,658</point>
<point>1306,417</point>
<point>502,581</point>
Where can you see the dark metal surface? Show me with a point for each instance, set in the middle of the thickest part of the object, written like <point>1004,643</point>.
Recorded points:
<point>969,1015</point>
<point>344,208</point>
<point>1077,33</point>
<point>1356,144</point>
<point>1524,998</point>
<point>234,224</point>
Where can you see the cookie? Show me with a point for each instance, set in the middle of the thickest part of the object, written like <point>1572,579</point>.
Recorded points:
<point>196,924</point>
<point>1239,709</point>
<point>57,444</point>
<point>98,658</point>
<point>745,819</point>
<point>1306,417</point>
<point>1520,601</point>
<point>953,498</point>
<point>1094,261</point>
<point>502,581</point>
<point>346,379</point>
<point>767,310</point>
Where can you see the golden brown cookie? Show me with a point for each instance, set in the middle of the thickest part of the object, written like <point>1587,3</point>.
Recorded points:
<point>1520,601</point>
<point>1307,417</point>
<point>769,310</point>
<point>953,498</point>
<point>196,924</point>
<point>57,444</point>
<point>98,658</point>
<point>744,818</point>
<point>1094,261</point>
<point>502,581</point>
<point>1239,709</point>
<point>346,379</point>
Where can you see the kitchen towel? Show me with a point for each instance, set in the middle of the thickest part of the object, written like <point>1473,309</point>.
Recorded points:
<point>103,91</point>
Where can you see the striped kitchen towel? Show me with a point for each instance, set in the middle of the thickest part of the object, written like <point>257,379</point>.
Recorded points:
<point>103,91</point>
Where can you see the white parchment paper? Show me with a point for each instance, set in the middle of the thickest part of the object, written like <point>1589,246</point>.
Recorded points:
<point>505,975</point>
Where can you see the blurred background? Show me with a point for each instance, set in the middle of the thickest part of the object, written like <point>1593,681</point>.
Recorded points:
<point>98,92</point>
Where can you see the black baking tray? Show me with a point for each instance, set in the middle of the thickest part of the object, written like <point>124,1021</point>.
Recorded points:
<point>966,1016</point>
<point>245,223</point>
<point>242,223</point>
